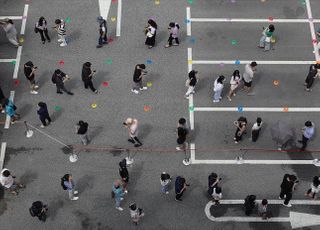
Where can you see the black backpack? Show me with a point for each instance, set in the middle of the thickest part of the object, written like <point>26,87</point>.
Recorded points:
<point>63,179</point>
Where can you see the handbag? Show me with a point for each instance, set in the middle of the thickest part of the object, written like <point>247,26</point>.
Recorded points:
<point>268,39</point>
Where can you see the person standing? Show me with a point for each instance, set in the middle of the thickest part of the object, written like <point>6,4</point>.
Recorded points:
<point>2,101</point>
<point>118,194</point>
<point>135,213</point>
<point>249,204</point>
<point>10,109</point>
<point>216,195</point>
<point>103,40</point>
<point>29,72</point>
<point>165,180</point>
<point>307,134</point>
<point>8,181</point>
<point>38,209</point>
<point>191,83</point>
<point>59,78</point>
<point>315,188</point>
<point>182,133</point>
<point>241,125</point>
<point>41,27</point>
<point>43,114</point>
<point>265,40</point>
<point>132,125</point>
<point>82,131</point>
<point>61,30</point>
<point>173,30</point>
<point>11,32</point>
<point>287,188</point>
<point>217,88</point>
<point>213,181</point>
<point>314,72</point>
<point>138,75</point>
<point>255,130</point>
<point>69,185</point>
<point>235,81</point>
<point>87,74</point>
<point>151,32</point>
<point>124,174</point>
<point>180,187</point>
<point>263,209</point>
<point>248,75</point>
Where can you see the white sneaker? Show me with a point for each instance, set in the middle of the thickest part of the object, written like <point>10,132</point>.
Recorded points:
<point>121,198</point>
<point>3,111</point>
<point>287,205</point>
<point>135,91</point>
<point>63,44</point>
<point>144,88</point>
<point>75,198</point>
<point>75,192</point>
<point>167,192</point>
<point>42,126</point>
<point>178,148</point>
<point>33,92</point>
<point>60,40</point>
<point>119,208</point>
<point>216,101</point>
<point>125,191</point>
<point>36,86</point>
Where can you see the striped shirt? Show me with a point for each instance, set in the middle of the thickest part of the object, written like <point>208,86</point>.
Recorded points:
<point>61,29</point>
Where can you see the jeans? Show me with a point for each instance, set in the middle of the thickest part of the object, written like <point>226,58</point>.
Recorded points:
<point>118,200</point>
<point>217,95</point>
<point>137,85</point>
<point>71,194</point>
<point>84,138</point>
<point>178,196</point>
<point>63,39</point>
<point>165,188</point>
<point>103,40</point>
<point>264,44</point>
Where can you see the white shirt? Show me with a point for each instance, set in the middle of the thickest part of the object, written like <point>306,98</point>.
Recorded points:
<point>256,127</point>
<point>217,86</point>
<point>6,182</point>
<point>151,31</point>
<point>215,195</point>
<point>248,73</point>
<point>134,128</point>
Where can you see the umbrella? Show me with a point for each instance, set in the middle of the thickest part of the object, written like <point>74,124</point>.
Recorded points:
<point>281,133</point>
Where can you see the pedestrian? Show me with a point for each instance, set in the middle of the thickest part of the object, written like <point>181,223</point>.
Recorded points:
<point>263,209</point>
<point>216,195</point>
<point>82,131</point>
<point>255,130</point>
<point>43,114</point>
<point>191,83</point>
<point>118,194</point>
<point>29,72</point>
<point>249,204</point>
<point>217,88</point>
<point>249,71</point>
<point>165,180</point>
<point>124,174</point>
<point>138,75</point>
<point>235,82</point>
<point>132,125</point>
<point>10,109</point>
<point>315,188</point>
<point>41,27</point>
<point>287,188</point>
<point>182,133</point>
<point>103,40</point>
<point>265,40</point>
<point>314,72</point>
<point>59,78</point>
<point>67,183</point>
<point>213,181</point>
<point>180,187</point>
<point>38,209</point>
<point>241,125</point>
<point>307,134</point>
<point>151,32</point>
<point>11,32</point>
<point>60,27</point>
<point>173,30</point>
<point>2,101</point>
<point>87,74</point>
<point>135,213</point>
<point>8,181</point>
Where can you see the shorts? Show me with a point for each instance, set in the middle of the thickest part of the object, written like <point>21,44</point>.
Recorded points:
<point>247,84</point>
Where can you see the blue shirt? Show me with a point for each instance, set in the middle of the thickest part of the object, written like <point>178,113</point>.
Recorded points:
<point>308,132</point>
<point>69,185</point>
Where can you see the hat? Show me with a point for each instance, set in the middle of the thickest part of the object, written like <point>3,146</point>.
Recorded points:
<point>100,18</point>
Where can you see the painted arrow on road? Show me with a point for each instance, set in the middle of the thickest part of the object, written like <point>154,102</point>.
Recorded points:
<point>296,219</point>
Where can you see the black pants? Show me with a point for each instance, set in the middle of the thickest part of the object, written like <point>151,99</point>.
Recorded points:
<point>45,32</point>
<point>178,196</point>
<point>43,120</point>
<point>237,135</point>
<point>134,140</point>
<point>255,135</point>
<point>170,40</point>
<point>61,87</point>
<point>288,196</point>
<point>90,85</point>
<point>304,142</point>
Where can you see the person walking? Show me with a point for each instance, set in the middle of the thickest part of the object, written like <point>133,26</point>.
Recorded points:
<point>68,184</point>
<point>11,32</point>
<point>315,188</point>
<point>124,174</point>
<point>43,114</point>
<point>217,88</point>
<point>138,75</point>
<point>307,134</point>
<point>2,101</point>
<point>255,130</point>
<point>241,125</point>
<point>132,125</point>
<point>213,181</point>
<point>8,181</point>
<point>118,194</point>
<point>165,180</point>
<point>249,71</point>
<point>314,72</point>
<point>265,40</point>
<point>287,188</point>
<point>103,40</point>
<point>191,83</point>
<point>216,195</point>
<point>87,74</point>
<point>60,27</point>
<point>263,210</point>
<point>151,32</point>
<point>41,27</point>
<point>38,209</point>
<point>29,72</point>
<point>235,82</point>
<point>173,30</point>
<point>82,131</point>
<point>135,213</point>
<point>59,78</point>
<point>180,187</point>
<point>182,133</point>
<point>10,109</point>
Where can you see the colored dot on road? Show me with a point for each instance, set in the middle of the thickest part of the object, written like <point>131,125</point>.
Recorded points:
<point>190,62</point>
<point>187,20</point>
<point>240,109</point>
<point>113,19</point>
<point>93,105</point>
<point>276,82</point>
<point>157,2</point>
<point>190,1</point>
<point>192,40</point>
<point>221,64</point>
<point>314,41</point>
<point>149,84</point>
<point>16,82</point>
<point>24,17</point>
<point>149,61</point>
<point>21,40</point>
<point>233,1</point>
<point>109,61</point>
<point>273,40</point>
<point>285,109</point>
<point>303,2</point>
<point>237,62</point>
<point>191,108</point>
<point>234,42</point>
<point>61,62</point>
<point>57,108</point>
<point>68,20</point>
<point>146,108</point>
<point>114,1</point>
<point>105,84</point>
<point>14,62</point>
<point>110,40</point>
<point>270,18</point>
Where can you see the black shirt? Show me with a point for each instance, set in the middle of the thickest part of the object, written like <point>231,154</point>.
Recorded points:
<point>27,72</point>
<point>86,71</point>
<point>287,185</point>
<point>83,128</point>
<point>137,75</point>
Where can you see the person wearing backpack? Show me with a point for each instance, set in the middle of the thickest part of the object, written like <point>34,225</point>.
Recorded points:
<point>102,32</point>
<point>165,180</point>
<point>68,184</point>
<point>38,209</point>
<point>173,30</point>
<point>41,27</point>
<point>43,114</point>
<point>135,213</point>
<point>249,204</point>
<point>124,174</point>
<point>58,78</point>
<point>180,187</point>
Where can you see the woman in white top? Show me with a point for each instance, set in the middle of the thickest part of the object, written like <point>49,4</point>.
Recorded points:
<point>151,32</point>
<point>10,30</point>
<point>234,83</point>
<point>218,86</point>
<point>135,213</point>
<point>256,129</point>
<point>8,182</point>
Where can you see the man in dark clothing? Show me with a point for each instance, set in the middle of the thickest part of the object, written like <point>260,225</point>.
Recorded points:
<point>124,174</point>
<point>29,70</point>
<point>213,181</point>
<point>82,129</point>
<point>314,72</point>
<point>180,187</point>
<point>38,209</point>
<point>287,187</point>
<point>43,114</point>
<point>87,74</point>
<point>138,74</point>
<point>102,32</point>
<point>59,78</point>
<point>2,101</point>
<point>182,137</point>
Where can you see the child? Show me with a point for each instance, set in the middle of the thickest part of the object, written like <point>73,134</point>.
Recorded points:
<point>135,213</point>
<point>315,188</point>
<point>256,129</point>
<point>165,180</point>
